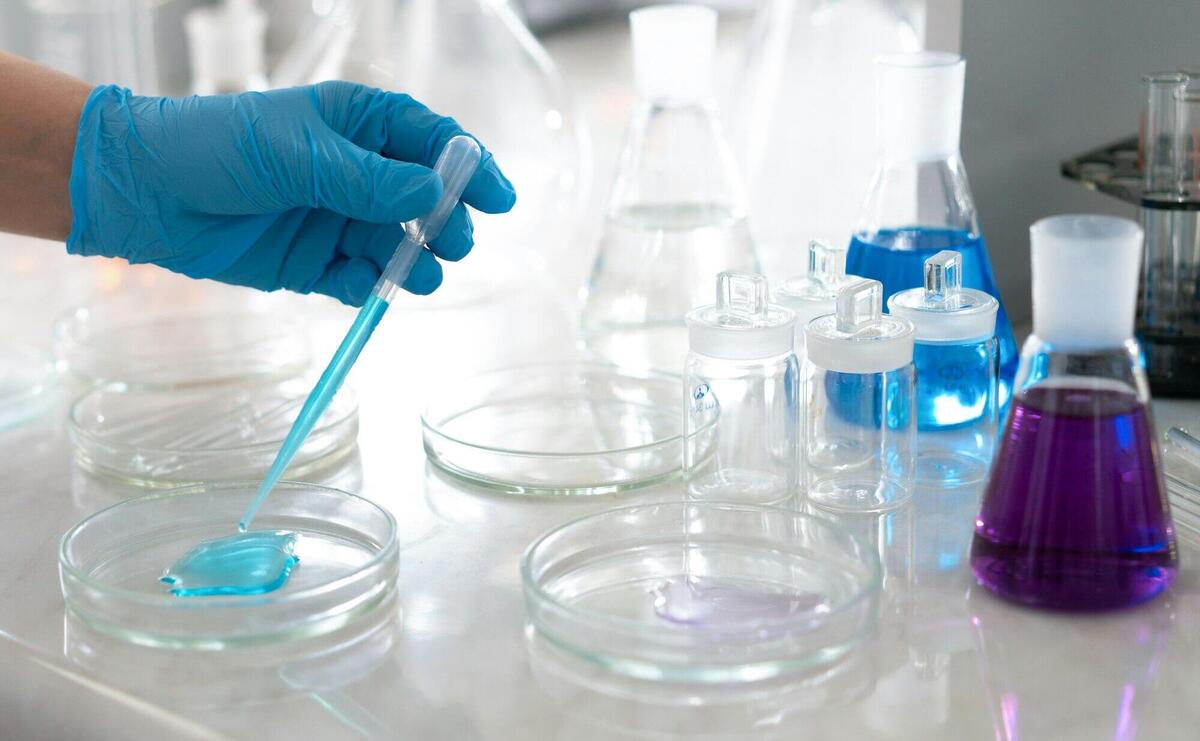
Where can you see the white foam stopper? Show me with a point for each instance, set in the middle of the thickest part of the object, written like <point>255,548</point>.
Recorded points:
<point>1085,279</point>
<point>920,101</point>
<point>673,50</point>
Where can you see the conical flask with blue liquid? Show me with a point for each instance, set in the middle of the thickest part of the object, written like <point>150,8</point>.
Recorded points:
<point>919,202</point>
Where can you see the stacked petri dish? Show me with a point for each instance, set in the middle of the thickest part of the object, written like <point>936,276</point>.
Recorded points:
<point>555,429</point>
<point>225,432</point>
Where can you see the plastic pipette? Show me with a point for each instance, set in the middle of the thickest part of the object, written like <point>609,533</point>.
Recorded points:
<point>455,165</point>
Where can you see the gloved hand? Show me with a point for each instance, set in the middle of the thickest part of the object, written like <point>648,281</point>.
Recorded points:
<point>304,189</point>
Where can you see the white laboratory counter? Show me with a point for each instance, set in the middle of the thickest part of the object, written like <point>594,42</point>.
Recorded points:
<point>948,661</point>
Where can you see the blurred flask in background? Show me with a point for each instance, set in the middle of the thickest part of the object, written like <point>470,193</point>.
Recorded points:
<point>804,123</point>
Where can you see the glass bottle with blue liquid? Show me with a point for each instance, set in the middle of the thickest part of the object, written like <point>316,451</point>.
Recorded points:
<point>956,355</point>
<point>919,202</point>
<point>859,436</point>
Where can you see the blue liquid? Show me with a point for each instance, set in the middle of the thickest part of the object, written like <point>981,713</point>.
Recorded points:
<point>869,399</point>
<point>319,398</point>
<point>953,384</point>
<point>255,562</point>
<point>896,258</point>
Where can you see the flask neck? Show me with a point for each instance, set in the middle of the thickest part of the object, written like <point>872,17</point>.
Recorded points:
<point>907,194</point>
<point>676,153</point>
<point>1113,369</point>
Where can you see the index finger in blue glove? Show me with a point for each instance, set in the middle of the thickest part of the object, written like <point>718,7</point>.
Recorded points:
<point>417,134</point>
<point>363,185</point>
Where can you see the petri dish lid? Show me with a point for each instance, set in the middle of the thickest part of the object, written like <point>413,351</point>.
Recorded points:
<point>27,382</point>
<point>170,437</point>
<point>110,564</point>
<point>944,311</point>
<point>702,592</point>
<point>158,337</point>
<point>572,428</point>
<point>858,337</point>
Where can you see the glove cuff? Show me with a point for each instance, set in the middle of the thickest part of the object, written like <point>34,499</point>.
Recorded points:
<point>85,161</point>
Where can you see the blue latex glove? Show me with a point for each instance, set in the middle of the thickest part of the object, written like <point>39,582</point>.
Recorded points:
<point>304,189</point>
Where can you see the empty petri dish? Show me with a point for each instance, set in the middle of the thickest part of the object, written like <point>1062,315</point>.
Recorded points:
<point>171,437</point>
<point>27,380</point>
<point>575,428</point>
<point>158,338</point>
<point>702,592</point>
<point>110,564</point>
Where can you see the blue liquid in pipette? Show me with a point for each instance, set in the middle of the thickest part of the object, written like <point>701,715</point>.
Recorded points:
<point>255,562</point>
<point>896,258</point>
<point>320,397</point>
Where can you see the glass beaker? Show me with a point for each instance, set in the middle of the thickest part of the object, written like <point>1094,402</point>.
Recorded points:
<point>919,202</point>
<point>815,293</point>
<point>1168,317</point>
<point>957,360</point>
<point>676,215</point>
<point>742,397</point>
<point>476,61</point>
<point>805,116</point>
<point>860,424</point>
<point>1075,513</point>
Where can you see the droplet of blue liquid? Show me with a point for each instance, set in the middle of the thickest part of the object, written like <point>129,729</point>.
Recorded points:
<point>254,562</point>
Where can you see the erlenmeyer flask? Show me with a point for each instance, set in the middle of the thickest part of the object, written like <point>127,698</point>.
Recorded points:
<point>805,117</point>
<point>675,216</point>
<point>919,202</point>
<point>476,61</point>
<point>1075,513</point>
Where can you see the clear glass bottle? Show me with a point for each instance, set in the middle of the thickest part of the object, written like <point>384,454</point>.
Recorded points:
<point>741,397</point>
<point>859,417</point>
<point>814,294</point>
<point>919,202</point>
<point>805,109</point>
<point>676,215</point>
<point>957,360</point>
<point>1075,512</point>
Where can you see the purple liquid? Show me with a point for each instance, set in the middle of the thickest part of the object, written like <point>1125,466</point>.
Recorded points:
<point>1075,514</point>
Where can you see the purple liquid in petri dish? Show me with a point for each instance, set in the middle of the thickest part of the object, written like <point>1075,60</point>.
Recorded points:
<point>1075,515</point>
<point>699,601</point>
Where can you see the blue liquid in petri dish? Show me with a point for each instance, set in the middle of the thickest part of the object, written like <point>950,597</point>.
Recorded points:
<point>254,562</point>
<point>896,258</point>
<point>952,384</point>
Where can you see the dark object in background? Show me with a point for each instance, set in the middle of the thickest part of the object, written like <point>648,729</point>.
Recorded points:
<point>1158,172</point>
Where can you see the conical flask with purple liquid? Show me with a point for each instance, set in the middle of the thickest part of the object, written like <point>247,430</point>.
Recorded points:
<point>1075,514</point>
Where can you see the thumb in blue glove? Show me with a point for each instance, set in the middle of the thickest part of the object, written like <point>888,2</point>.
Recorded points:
<point>305,189</point>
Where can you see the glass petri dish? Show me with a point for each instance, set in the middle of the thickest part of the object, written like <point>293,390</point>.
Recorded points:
<point>773,592</point>
<point>159,338</point>
<point>110,563</point>
<point>27,381</point>
<point>573,428</point>
<point>171,437</point>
